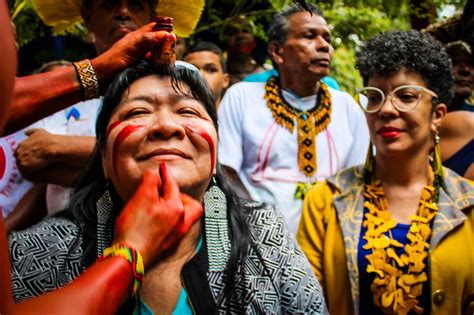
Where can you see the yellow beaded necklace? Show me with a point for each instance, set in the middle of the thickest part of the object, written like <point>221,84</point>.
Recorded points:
<point>394,291</point>
<point>310,123</point>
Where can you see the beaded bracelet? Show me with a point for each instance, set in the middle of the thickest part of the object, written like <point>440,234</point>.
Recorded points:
<point>88,79</point>
<point>133,257</point>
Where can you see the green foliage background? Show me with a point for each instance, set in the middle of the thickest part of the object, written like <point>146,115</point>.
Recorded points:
<point>351,22</point>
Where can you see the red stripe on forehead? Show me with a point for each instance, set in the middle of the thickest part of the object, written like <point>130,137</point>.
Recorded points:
<point>122,135</point>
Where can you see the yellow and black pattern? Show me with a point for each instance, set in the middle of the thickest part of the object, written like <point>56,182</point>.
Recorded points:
<point>309,123</point>
<point>88,79</point>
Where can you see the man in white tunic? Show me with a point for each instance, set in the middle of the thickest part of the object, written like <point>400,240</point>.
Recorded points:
<point>279,137</point>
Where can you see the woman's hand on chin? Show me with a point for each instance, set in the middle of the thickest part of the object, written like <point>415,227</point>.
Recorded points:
<point>157,216</point>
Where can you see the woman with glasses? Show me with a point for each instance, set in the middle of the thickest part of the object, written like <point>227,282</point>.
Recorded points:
<point>395,236</point>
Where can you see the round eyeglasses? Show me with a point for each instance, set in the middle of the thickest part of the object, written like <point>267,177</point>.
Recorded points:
<point>404,98</point>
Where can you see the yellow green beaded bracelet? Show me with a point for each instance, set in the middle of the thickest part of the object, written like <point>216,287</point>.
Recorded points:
<point>133,257</point>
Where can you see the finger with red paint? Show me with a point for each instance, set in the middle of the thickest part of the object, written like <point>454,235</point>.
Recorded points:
<point>170,188</point>
<point>193,211</point>
<point>144,223</point>
<point>178,205</point>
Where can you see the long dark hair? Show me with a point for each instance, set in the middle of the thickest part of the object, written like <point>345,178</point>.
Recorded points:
<point>93,183</point>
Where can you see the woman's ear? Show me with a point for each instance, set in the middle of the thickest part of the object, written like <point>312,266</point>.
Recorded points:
<point>438,115</point>
<point>275,52</point>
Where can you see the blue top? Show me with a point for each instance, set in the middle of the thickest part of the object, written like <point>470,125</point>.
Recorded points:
<point>466,105</point>
<point>461,160</point>
<point>264,76</point>
<point>366,302</point>
<point>182,307</point>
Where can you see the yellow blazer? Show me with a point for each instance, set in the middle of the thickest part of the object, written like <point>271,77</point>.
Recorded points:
<point>329,235</point>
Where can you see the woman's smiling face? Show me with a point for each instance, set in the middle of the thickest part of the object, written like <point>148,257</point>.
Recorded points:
<point>152,124</point>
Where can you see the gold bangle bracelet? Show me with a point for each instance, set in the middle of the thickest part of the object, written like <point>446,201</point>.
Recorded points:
<point>88,79</point>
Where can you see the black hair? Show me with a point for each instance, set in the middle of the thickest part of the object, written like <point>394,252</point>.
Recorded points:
<point>207,46</point>
<point>278,29</point>
<point>389,52</point>
<point>93,183</point>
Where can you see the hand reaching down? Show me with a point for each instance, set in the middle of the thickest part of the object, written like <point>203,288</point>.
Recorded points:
<point>157,217</point>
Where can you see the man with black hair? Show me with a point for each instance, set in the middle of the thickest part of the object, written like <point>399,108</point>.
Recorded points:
<point>279,137</point>
<point>208,58</point>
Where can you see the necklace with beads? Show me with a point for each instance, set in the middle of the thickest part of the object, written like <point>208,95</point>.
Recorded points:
<point>310,122</point>
<point>394,290</point>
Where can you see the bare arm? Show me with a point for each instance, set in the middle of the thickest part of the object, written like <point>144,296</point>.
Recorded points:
<point>456,130</point>
<point>8,66</point>
<point>100,290</point>
<point>49,158</point>
<point>40,95</point>
<point>29,210</point>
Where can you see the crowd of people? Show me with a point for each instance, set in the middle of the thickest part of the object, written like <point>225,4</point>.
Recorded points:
<point>215,184</point>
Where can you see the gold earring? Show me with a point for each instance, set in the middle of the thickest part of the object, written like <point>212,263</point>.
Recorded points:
<point>369,160</point>
<point>437,164</point>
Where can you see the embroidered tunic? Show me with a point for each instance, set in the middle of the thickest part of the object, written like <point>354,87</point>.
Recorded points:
<point>265,154</point>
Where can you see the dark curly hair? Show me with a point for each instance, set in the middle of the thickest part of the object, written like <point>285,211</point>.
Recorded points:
<point>389,52</point>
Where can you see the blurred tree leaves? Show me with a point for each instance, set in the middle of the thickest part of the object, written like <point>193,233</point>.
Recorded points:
<point>351,22</point>
<point>28,25</point>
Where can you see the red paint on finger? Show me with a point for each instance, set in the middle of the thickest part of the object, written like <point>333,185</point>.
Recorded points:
<point>122,135</point>
<point>206,136</point>
<point>164,176</point>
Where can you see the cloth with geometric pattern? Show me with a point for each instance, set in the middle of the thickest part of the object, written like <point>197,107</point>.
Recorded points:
<point>45,257</point>
<point>277,278</point>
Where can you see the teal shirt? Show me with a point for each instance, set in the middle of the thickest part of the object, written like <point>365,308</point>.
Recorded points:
<point>182,307</point>
<point>264,76</point>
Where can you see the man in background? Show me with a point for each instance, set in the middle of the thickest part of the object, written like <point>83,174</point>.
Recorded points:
<point>277,138</point>
<point>208,58</point>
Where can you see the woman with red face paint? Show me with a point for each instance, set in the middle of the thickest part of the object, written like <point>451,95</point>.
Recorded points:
<point>112,278</point>
<point>395,236</point>
<point>165,119</point>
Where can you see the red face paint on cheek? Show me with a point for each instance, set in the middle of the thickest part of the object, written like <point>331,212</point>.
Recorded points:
<point>112,127</point>
<point>122,135</point>
<point>206,136</point>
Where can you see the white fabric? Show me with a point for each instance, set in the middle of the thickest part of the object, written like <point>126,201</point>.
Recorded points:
<point>13,186</point>
<point>265,155</point>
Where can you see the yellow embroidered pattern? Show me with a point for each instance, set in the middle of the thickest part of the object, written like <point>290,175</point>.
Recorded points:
<point>310,123</point>
<point>395,291</point>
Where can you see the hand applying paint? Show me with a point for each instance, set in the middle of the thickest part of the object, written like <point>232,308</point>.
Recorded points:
<point>157,216</point>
